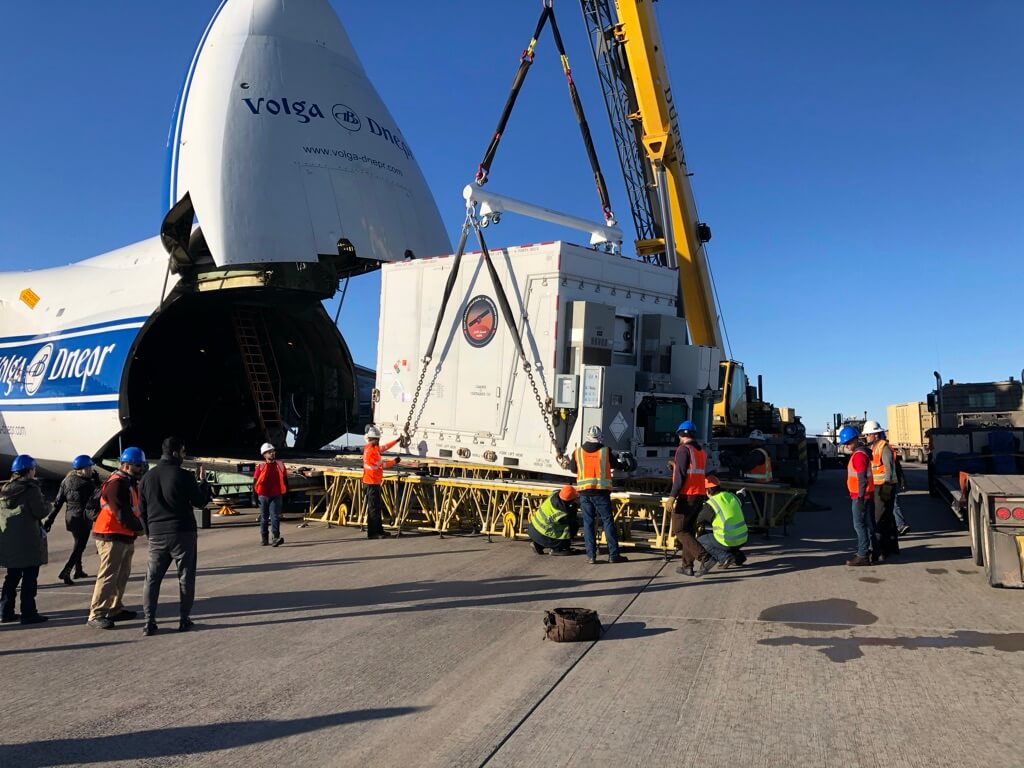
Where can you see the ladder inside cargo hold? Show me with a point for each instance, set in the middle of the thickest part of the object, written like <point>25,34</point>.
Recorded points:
<point>261,370</point>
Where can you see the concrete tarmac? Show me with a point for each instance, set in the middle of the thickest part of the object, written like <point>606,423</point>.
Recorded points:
<point>337,651</point>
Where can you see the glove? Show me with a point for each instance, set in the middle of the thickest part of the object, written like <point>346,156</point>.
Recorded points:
<point>48,525</point>
<point>668,503</point>
<point>398,460</point>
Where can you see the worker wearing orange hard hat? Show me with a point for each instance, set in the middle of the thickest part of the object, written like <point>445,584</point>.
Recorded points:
<point>554,524</point>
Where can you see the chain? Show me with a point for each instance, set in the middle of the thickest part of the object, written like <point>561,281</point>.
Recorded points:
<point>545,413</point>
<point>406,437</point>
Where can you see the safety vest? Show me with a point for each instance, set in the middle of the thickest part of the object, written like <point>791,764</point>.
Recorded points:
<point>109,523</point>
<point>851,476</point>
<point>877,466</point>
<point>729,526</point>
<point>694,485</point>
<point>270,482</point>
<point>592,470</point>
<point>762,473</point>
<point>550,521</point>
<point>374,464</point>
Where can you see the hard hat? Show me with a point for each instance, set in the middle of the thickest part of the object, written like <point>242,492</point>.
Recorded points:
<point>595,434</point>
<point>23,463</point>
<point>266,447</point>
<point>757,434</point>
<point>81,462</point>
<point>372,433</point>
<point>710,481</point>
<point>568,493</point>
<point>872,428</point>
<point>132,455</point>
<point>687,427</point>
<point>848,435</point>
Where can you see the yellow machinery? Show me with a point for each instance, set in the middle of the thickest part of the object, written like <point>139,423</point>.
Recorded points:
<point>631,69</point>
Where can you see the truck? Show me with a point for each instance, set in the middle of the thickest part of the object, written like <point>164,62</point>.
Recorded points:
<point>976,465</point>
<point>908,424</point>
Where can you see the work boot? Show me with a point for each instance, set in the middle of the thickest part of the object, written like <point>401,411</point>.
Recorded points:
<point>707,566</point>
<point>124,615</point>
<point>100,622</point>
<point>65,576</point>
<point>80,574</point>
<point>688,571</point>
<point>858,561</point>
<point>618,559</point>
<point>537,548</point>
<point>278,541</point>
<point>35,618</point>
<point>904,530</point>
<point>564,552</point>
<point>149,629</point>
<point>264,540</point>
<point>729,563</point>
<point>10,618</point>
<point>592,561</point>
<point>185,624</point>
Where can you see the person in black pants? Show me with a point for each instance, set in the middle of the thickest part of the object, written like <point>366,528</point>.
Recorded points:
<point>75,490</point>
<point>22,540</point>
<point>167,496</point>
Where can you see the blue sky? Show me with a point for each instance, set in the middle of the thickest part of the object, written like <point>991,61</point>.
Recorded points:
<point>860,163</point>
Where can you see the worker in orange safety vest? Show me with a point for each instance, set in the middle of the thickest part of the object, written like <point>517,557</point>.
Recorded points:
<point>373,476</point>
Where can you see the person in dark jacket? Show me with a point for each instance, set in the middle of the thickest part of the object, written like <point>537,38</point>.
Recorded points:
<point>167,496</point>
<point>75,490</point>
<point>22,540</point>
<point>116,527</point>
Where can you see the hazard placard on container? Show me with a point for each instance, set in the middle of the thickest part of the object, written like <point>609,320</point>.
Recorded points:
<point>30,297</point>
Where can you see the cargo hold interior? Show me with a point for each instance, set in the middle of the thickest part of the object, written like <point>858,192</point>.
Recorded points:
<point>189,375</point>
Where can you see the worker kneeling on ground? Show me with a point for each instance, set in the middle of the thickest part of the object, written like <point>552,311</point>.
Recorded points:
<point>728,527</point>
<point>554,524</point>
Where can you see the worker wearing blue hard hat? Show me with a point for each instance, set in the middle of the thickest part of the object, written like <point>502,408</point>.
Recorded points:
<point>22,540</point>
<point>861,487</point>
<point>76,489</point>
<point>688,492</point>
<point>117,526</point>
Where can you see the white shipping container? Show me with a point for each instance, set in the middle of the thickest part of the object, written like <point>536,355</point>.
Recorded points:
<point>477,404</point>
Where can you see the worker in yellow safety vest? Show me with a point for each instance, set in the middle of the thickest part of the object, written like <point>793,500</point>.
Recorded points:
<point>554,523</point>
<point>728,527</point>
<point>757,464</point>
<point>883,474</point>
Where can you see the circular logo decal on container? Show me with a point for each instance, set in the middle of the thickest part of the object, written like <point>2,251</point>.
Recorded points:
<point>346,117</point>
<point>480,321</point>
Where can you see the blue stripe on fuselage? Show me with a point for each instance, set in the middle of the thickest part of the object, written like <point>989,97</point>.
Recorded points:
<point>73,329</point>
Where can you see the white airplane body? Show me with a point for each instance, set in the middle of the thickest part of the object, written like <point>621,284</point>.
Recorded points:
<point>285,174</point>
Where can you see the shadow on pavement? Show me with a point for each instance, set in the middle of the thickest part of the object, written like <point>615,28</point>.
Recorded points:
<point>630,630</point>
<point>52,648</point>
<point>182,740</point>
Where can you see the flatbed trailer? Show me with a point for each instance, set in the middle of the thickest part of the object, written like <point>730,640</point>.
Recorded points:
<point>995,519</point>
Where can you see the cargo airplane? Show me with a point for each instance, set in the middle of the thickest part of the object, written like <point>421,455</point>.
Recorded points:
<point>285,175</point>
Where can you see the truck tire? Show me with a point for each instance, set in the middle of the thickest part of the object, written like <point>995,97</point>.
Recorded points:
<point>987,546</point>
<point>974,526</point>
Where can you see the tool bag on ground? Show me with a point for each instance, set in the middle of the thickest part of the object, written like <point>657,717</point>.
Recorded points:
<point>570,625</point>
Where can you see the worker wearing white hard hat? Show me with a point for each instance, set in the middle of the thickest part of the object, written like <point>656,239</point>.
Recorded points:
<point>883,473</point>
<point>373,477</point>
<point>757,464</point>
<point>593,463</point>
<point>270,484</point>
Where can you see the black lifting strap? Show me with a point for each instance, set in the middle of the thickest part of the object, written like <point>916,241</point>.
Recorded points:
<point>517,83</point>
<point>581,119</point>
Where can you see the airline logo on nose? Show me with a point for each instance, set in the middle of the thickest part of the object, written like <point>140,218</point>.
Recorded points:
<point>347,118</point>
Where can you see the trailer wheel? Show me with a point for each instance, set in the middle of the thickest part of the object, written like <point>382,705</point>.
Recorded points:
<point>974,526</point>
<point>986,540</point>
